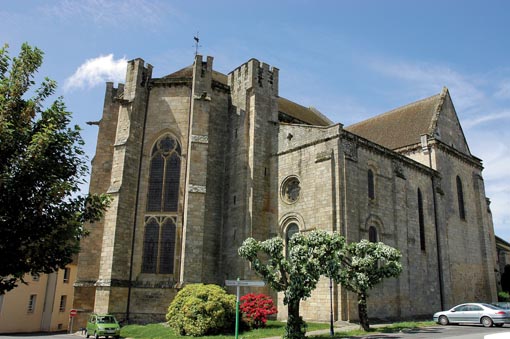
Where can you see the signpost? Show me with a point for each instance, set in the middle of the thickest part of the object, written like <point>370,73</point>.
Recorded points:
<point>238,283</point>
<point>72,314</point>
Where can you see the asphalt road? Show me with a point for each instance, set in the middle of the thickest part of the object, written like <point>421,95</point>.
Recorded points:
<point>40,336</point>
<point>444,332</point>
<point>439,332</point>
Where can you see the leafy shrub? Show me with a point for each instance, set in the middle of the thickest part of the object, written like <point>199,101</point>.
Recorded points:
<point>503,296</point>
<point>200,309</point>
<point>256,308</point>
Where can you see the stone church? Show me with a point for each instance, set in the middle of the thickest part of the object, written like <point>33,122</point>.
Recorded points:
<point>197,161</point>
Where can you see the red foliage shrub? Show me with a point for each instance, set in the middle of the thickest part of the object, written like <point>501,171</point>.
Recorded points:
<point>256,308</point>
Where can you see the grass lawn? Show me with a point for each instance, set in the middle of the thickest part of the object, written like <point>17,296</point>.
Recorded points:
<point>390,328</point>
<point>273,329</point>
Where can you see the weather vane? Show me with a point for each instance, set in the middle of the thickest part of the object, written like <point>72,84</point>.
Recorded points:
<point>197,40</point>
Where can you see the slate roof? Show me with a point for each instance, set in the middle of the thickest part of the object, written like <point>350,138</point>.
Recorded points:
<point>307,115</point>
<point>187,72</point>
<point>402,126</point>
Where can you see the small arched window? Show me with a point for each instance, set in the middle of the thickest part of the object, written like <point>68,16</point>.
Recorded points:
<point>421,220</point>
<point>460,199</point>
<point>371,184</point>
<point>372,234</point>
<point>292,229</point>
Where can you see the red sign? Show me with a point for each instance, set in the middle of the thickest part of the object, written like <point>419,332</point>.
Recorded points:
<point>73,313</point>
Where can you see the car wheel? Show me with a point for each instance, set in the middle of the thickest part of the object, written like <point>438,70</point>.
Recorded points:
<point>486,321</point>
<point>443,320</point>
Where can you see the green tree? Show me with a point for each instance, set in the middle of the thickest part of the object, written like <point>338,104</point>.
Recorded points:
<point>310,254</point>
<point>41,167</point>
<point>365,264</point>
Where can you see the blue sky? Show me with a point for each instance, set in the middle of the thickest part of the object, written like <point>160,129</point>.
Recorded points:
<point>349,59</point>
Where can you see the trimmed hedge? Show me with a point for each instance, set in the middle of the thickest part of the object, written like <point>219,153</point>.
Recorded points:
<point>200,309</point>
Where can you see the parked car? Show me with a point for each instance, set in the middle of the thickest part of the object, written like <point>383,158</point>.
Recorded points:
<point>502,304</point>
<point>478,313</point>
<point>102,325</point>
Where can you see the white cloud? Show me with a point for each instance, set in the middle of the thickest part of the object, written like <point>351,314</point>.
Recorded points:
<point>428,79</point>
<point>504,90</point>
<point>97,71</point>
<point>469,123</point>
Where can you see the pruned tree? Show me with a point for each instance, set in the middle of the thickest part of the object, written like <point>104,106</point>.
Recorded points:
<point>310,254</point>
<point>365,264</point>
<point>42,164</point>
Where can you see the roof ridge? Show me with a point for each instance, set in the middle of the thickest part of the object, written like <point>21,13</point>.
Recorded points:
<point>439,107</point>
<point>400,108</point>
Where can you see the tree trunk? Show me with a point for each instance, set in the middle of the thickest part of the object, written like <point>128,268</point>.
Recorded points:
<point>363,312</point>
<point>295,328</point>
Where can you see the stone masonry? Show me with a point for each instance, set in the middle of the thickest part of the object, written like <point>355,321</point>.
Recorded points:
<point>225,158</point>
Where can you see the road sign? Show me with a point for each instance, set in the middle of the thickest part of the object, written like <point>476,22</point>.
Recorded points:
<point>245,283</point>
<point>238,283</point>
<point>73,313</point>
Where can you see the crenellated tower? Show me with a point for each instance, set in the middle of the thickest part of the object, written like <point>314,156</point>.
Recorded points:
<point>250,173</point>
<point>105,264</point>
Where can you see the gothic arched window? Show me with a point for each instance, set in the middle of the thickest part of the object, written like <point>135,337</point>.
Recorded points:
<point>372,234</point>
<point>371,184</point>
<point>162,206</point>
<point>292,229</point>
<point>460,199</point>
<point>421,220</point>
<point>164,176</point>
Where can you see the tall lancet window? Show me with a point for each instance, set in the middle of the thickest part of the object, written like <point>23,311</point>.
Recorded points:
<point>460,199</point>
<point>162,206</point>
<point>371,184</point>
<point>421,220</point>
<point>292,229</point>
<point>372,234</point>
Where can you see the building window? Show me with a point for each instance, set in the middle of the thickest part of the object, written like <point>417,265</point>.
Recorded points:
<point>421,220</point>
<point>371,184</point>
<point>159,245</point>
<point>164,176</point>
<point>162,207</point>
<point>67,274</point>
<point>460,199</point>
<point>63,301</point>
<point>290,190</point>
<point>292,229</point>
<point>31,303</point>
<point>372,234</point>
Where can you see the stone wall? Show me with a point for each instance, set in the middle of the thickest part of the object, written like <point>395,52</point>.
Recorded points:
<point>243,174</point>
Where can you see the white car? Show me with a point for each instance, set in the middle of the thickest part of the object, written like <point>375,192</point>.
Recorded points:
<point>477,313</point>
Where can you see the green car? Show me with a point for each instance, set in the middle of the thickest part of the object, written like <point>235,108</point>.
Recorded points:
<point>102,325</point>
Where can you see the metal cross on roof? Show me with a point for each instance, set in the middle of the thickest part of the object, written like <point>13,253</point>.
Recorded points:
<point>197,40</point>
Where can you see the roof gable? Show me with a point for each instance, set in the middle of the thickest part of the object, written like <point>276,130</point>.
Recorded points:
<point>434,116</point>
<point>446,125</point>
<point>400,127</point>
